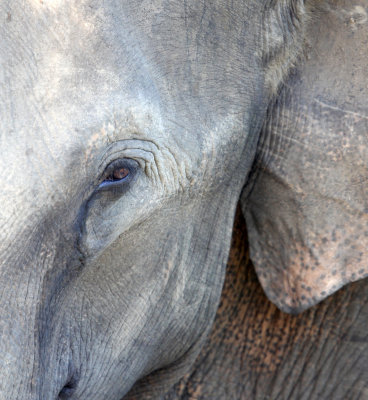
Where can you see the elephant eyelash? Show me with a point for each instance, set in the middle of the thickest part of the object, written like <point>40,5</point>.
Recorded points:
<point>118,173</point>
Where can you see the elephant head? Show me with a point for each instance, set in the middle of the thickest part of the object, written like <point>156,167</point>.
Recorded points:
<point>128,131</point>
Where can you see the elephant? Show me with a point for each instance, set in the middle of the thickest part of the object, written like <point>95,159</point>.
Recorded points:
<point>138,125</point>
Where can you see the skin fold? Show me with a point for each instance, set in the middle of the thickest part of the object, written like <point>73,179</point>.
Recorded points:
<point>109,287</point>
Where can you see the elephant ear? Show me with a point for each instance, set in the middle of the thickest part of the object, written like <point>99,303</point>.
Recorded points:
<point>306,203</point>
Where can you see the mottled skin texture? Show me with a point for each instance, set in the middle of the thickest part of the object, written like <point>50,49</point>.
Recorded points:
<point>307,203</point>
<point>109,291</point>
<point>257,352</point>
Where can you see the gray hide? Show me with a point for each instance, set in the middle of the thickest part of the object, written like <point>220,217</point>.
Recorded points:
<point>103,283</point>
<point>128,129</point>
<point>307,211</point>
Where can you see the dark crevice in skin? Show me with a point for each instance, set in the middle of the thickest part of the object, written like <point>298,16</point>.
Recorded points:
<point>68,390</point>
<point>254,170</point>
<point>71,384</point>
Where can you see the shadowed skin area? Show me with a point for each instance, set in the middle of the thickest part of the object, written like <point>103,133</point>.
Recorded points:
<point>109,287</point>
<point>307,205</point>
<point>257,352</point>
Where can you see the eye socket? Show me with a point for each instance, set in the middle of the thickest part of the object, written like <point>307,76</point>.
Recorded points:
<point>119,173</point>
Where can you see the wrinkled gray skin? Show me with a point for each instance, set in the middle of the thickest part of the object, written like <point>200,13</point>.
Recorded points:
<point>306,205</point>
<point>101,287</point>
<point>310,177</point>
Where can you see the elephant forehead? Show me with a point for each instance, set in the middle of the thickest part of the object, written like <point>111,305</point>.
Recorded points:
<point>209,67</point>
<point>77,76</point>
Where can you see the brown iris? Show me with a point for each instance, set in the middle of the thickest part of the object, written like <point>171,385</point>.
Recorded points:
<point>118,174</point>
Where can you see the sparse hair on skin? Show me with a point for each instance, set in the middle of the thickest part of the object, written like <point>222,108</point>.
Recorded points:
<point>283,37</point>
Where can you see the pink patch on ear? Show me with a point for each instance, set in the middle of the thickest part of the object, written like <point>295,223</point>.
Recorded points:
<point>298,275</point>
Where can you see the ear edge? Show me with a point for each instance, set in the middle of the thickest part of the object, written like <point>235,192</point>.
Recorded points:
<point>298,270</point>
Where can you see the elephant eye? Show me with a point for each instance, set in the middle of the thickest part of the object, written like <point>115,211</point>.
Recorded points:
<point>118,173</point>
